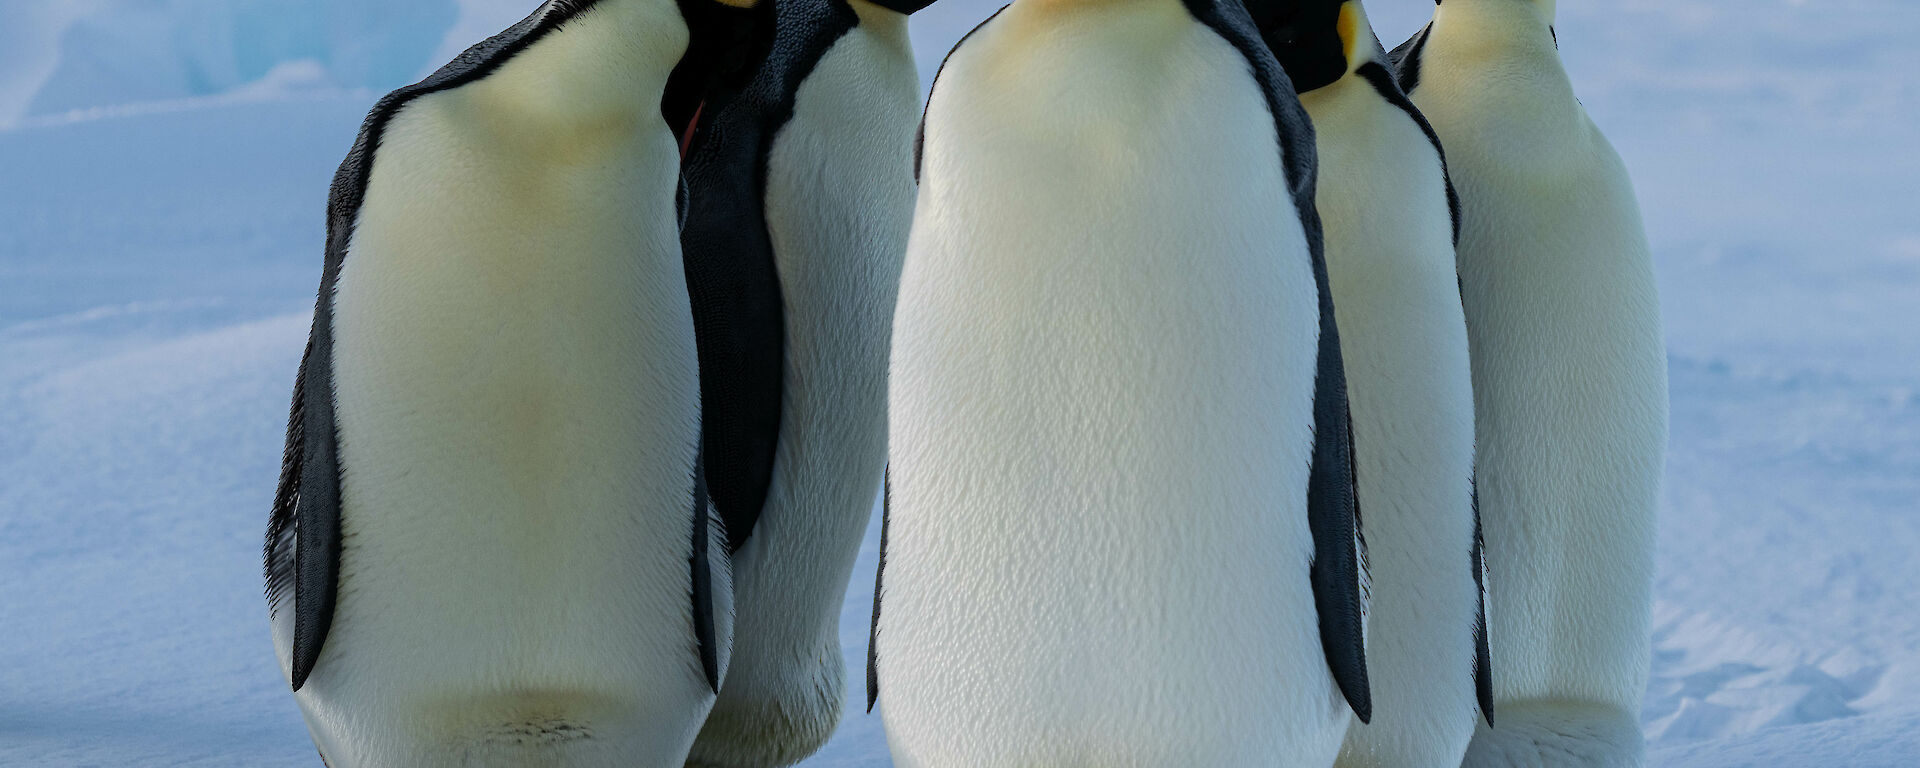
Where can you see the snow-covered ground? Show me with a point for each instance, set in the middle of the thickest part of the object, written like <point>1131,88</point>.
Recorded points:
<point>161,197</point>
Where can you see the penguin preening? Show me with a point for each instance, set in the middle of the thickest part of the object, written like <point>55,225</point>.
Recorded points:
<point>801,181</point>
<point>1121,526</point>
<point>1569,382</point>
<point>1389,216</point>
<point>491,544</point>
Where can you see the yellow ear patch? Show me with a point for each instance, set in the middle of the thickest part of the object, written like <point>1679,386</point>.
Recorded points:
<point>1348,27</point>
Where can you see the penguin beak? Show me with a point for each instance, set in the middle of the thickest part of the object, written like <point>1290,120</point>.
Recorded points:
<point>726,42</point>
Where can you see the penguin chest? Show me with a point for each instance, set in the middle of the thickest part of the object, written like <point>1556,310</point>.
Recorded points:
<point>1101,409</point>
<point>1382,199</point>
<point>517,400</point>
<point>1107,284</point>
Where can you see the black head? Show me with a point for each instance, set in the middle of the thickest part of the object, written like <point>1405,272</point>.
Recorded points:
<point>906,7</point>
<point>1312,38</point>
<point>726,42</point>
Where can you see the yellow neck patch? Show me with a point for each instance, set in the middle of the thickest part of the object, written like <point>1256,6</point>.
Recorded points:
<point>1349,28</point>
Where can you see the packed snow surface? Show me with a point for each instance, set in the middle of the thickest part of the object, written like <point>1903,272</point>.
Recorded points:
<point>161,200</point>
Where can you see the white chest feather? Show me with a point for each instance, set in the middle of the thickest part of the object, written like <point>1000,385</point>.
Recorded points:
<point>1568,363</point>
<point>518,417</point>
<point>1102,381</point>
<point>1390,260</point>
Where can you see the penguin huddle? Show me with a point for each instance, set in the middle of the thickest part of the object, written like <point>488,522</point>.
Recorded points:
<point>1240,393</point>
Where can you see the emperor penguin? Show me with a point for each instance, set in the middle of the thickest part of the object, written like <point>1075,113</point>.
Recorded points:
<point>492,543</point>
<point>1120,526</point>
<point>1569,376</point>
<point>802,190</point>
<point>1389,215</point>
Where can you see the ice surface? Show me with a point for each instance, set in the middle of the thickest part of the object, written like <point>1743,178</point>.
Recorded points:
<point>94,53</point>
<point>159,248</point>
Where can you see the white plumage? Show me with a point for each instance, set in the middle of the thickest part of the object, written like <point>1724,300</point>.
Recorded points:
<point>839,203</point>
<point>1569,383</point>
<point>518,420</point>
<point>1383,202</point>
<point>1101,424</point>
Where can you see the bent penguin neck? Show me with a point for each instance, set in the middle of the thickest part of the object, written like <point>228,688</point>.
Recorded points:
<point>1544,9</point>
<point>880,19</point>
<point>1509,20</point>
<point>606,63</point>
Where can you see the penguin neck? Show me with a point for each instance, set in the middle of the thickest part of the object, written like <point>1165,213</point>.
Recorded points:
<point>1321,47</point>
<point>879,18</point>
<point>1356,34</point>
<point>1505,24</point>
<point>1544,8</point>
<point>1077,6</point>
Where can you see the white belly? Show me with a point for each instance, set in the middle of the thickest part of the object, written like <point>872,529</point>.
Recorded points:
<point>1568,363</point>
<point>1101,413</point>
<point>1390,259</point>
<point>518,418</point>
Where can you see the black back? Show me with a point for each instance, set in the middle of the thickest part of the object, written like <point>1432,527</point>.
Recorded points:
<point>1339,564</point>
<point>731,273</point>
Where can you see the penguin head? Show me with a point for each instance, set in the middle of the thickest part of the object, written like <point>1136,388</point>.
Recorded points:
<point>903,7</point>
<point>1315,40</point>
<point>727,41</point>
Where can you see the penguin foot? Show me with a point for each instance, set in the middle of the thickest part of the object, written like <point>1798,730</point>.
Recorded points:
<point>1558,734</point>
<point>772,723</point>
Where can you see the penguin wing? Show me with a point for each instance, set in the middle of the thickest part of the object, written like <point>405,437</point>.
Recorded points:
<point>701,563</point>
<point>732,278</point>
<point>1406,58</point>
<point>303,528</point>
<point>302,557</point>
<point>879,584</point>
<point>1339,571</point>
<point>1482,648</point>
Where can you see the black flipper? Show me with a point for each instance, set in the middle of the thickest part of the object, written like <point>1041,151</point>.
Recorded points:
<point>702,566</point>
<point>1482,649</point>
<point>1406,58</point>
<point>732,277</point>
<point>1339,564</point>
<point>879,585</point>
<point>303,530</point>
